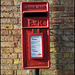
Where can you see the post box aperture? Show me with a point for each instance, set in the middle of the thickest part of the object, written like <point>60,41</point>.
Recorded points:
<point>35,35</point>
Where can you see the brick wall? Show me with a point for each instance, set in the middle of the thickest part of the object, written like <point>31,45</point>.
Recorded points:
<point>61,38</point>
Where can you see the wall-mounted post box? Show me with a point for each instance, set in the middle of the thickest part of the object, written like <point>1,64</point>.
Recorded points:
<point>35,35</point>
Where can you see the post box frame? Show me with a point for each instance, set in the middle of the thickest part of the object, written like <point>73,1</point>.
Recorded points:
<point>39,27</point>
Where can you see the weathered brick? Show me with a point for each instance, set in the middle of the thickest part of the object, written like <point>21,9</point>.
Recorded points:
<point>56,20</point>
<point>66,38</point>
<point>52,2</point>
<point>15,72</point>
<point>6,72</point>
<point>53,32</point>
<point>8,20</point>
<point>17,44</point>
<point>6,50</point>
<point>17,61</point>
<point>8,67</point>
<point>7,44</point>
<point>17,2</point>
<point>9,61</point>
<point>64,49</point>
<point>69,67</point>
<point>62,32</point>
<point>30,73</point>
<point>19,66</point>
<point>15,32</point>
<point>9,55</point>
<point>17,38</point>
<point>52,44</point>
<point>19,20</point>
<point>53,26</point>
<point>66,61</point>
<point>6,38</point>
<point>17,26</point>
<point>68,14</point>
<point>8,8</point>
<point>54,50</point>
<point>4,32</point>
<point>7,2</point>
<point>24,71</point>
<point>48,72</point>
<point>18,50</point>
<point>56,15</point>
<point>59,8</point>
<point>6,14</point>
<point>4,55</point>
<point>66,72</point>
<point>6,26</point>
<point>3,61</point>
<point>17,14</point>
<point>66,2</point>
<point>54,38</point>
<point>69,44</point>
<point>61,26</point>
<point>19,55</point>
<point>69,8</point>
<point>66,55</point>
<point>58,2</point>
<point>53,55</point>
<point>6,61</point>
<point>56,44</point>
<point>53,66</point>
<point>71,55</point>
<point>71,20</point>
<point>12,55</point>
<point>19,72</point>
<point>53,61</point>
<point>69,32</point>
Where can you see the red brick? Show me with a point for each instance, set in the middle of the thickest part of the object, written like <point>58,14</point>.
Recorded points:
<point>69,8</point>
<point>69,20</point>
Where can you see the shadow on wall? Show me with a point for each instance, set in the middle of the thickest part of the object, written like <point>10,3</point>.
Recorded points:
<point>61,42</point>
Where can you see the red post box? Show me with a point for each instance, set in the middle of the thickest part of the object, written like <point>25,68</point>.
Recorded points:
<point>35,35</point>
